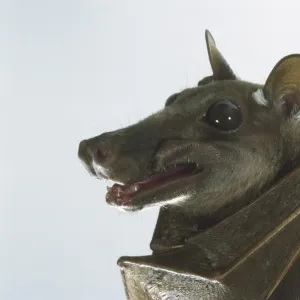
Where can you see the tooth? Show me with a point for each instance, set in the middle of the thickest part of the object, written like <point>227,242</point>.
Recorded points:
<point>119,191</point>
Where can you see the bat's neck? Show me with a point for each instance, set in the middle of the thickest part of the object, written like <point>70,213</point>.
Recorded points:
<point>174,226</point>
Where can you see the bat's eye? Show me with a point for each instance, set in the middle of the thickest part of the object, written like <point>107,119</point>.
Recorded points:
<point>171,99</point>
<point>224,115</point>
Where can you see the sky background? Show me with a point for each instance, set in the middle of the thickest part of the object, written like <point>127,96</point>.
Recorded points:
<point>70,70</point>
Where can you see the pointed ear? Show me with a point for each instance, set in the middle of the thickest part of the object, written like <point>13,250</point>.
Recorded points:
<point>283,86</point>
<point>221,70</point>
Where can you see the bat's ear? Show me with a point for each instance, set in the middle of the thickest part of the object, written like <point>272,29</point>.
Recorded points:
<point>221,70</point>
<point>283,86</point>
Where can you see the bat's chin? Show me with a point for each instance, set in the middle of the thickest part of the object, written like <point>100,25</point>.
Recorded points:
<point>124,196</point>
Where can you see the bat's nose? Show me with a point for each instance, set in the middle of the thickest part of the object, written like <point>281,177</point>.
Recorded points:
<point>95,153</point>
<point>89,151</point>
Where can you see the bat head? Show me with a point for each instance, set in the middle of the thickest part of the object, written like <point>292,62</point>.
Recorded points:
<point>213,146</point>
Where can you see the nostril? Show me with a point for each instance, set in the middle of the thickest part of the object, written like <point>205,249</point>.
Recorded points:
<point>101,155</point>
<point>93,151</point>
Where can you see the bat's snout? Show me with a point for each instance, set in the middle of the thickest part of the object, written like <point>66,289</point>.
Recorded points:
<point>93,155</point>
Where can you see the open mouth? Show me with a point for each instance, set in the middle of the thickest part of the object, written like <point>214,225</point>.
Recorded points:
<point>122,195</point>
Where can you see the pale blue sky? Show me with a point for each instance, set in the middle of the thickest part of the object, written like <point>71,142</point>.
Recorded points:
<point>70,70</point>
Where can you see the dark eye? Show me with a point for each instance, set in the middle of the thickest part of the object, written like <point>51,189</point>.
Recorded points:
<point>224,115</point>
<point>171,99</point>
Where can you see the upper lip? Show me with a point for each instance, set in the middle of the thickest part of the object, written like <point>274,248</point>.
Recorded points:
<point>151,174</point>
<point>171,165</point>
<point>159,171</point>
<point>163,173</point>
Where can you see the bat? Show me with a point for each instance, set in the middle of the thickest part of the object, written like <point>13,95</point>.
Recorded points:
<point>221,160</point>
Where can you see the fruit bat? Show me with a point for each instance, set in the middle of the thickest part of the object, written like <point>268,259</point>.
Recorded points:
<point>221,160</point>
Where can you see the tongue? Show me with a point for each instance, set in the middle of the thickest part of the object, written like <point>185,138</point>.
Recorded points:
<point>121,195</point>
